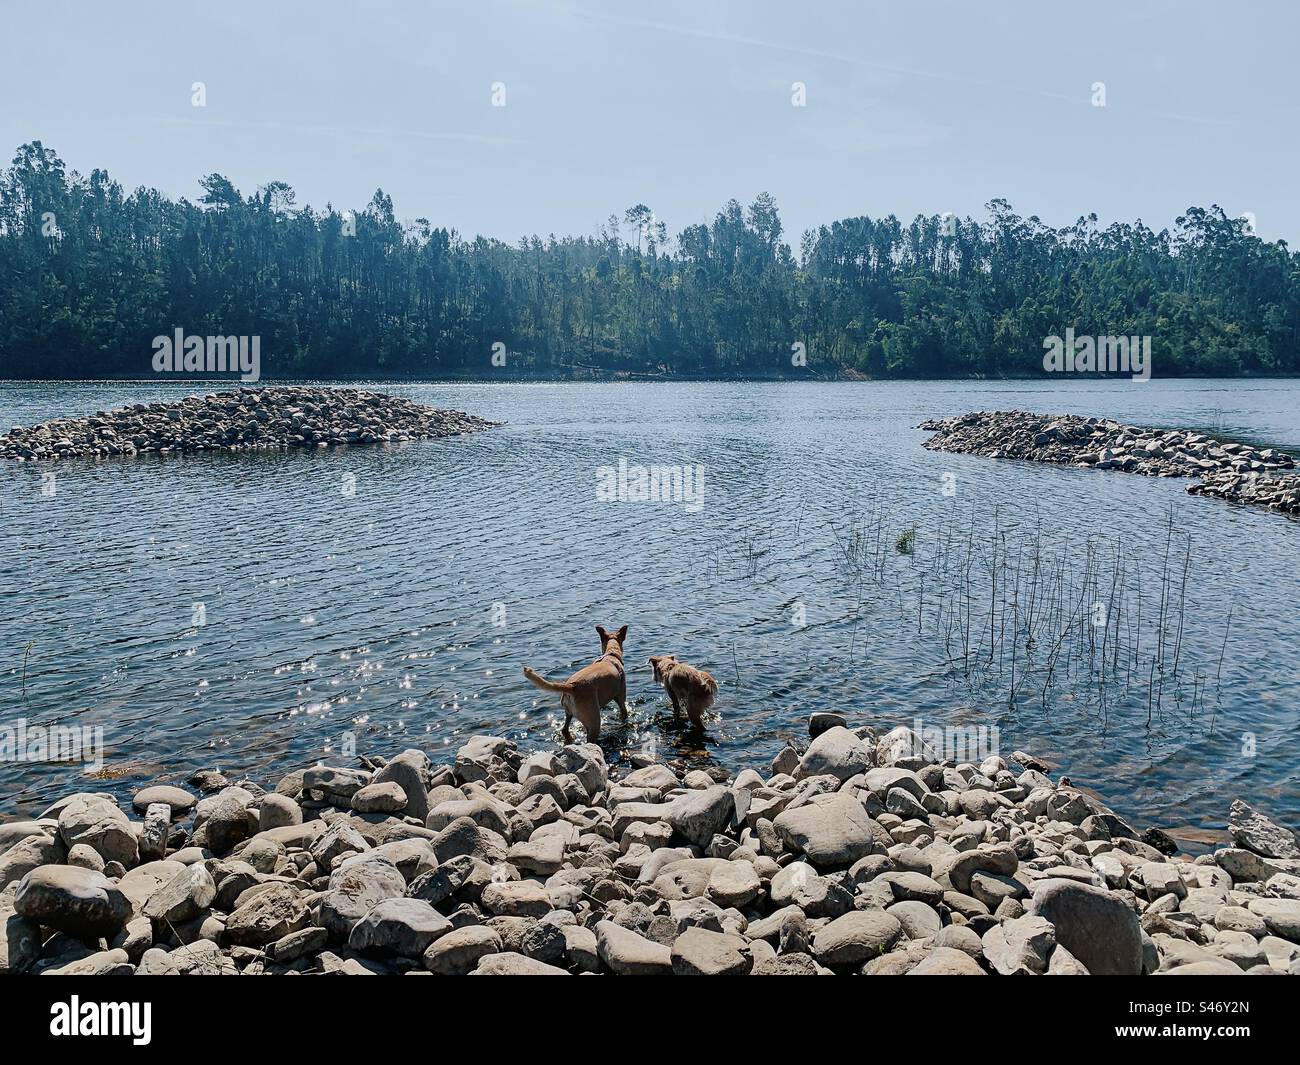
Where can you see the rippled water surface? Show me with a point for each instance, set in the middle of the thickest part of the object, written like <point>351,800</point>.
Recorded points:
<point>388,597</point>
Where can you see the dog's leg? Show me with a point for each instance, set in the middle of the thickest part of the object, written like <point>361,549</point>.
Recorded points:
<point>567,733</point>
<point>677,709</point>
<point>621,696</point>
<point>588,715</point>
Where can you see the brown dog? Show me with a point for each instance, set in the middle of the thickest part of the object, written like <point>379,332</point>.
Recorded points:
<point>686,686</point>
<point>584,693</point>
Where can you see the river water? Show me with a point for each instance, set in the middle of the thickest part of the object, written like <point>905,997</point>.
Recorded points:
<point>259,612</point>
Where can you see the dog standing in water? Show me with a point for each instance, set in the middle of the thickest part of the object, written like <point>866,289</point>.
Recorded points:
<point>589,689</point>
<point>687,687</point>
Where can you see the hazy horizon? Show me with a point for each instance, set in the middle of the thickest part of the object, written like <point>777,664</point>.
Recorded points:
<point>917,110</point>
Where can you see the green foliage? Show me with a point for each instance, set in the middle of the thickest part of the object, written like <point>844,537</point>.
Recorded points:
<point>906,542</point>
<point>338,293</point>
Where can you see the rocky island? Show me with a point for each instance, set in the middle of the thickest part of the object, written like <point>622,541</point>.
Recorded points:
<point>1227,470</point>
<point>245,419</point>
<point>859,854</point>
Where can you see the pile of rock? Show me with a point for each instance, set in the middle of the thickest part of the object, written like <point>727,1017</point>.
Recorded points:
<point>247,419</point>
<point>1276,493</point>
<point>860,854</point>
<point>1230,470</point>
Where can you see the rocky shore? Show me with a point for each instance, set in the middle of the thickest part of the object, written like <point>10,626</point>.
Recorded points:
<point>1227,470</point>
<point>859,854</point>
<point>246,419</point>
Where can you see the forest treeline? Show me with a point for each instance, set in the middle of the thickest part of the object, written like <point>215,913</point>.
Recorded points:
<point>90,274</point>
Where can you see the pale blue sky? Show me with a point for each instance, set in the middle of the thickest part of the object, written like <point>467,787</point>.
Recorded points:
<point>911,106</point>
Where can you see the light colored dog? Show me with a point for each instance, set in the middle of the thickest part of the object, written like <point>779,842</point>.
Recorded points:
<point>592,687</point>
<point>688,687</point>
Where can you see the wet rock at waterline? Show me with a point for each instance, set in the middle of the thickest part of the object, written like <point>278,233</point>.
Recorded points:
<point>247,419</point>
<point>865,857</point>
<point>1226,469</point>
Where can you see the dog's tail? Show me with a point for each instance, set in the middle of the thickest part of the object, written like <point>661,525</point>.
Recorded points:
<point>546,685</point>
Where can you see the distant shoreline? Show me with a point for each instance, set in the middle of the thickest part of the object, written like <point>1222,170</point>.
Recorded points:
<point>1226,469</point>
<point>628,378</point>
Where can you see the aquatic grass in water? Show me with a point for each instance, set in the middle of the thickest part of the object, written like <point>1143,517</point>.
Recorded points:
<point>1027,618</point>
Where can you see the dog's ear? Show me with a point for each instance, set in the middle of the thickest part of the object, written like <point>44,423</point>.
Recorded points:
<point>600,631</point>
<point>622,634</point>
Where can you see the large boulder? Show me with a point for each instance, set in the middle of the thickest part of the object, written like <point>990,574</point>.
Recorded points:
<point>80,902</point>
<point>700,815</point>
<point>268,916</point>
<point>404,927</point>
<point>340,838</point>
<point>1252,830</point>
<point>185,896</point>
<point>450,877</point>
<point>627,953</point>
<point>919,920</point>
<point>856,937</point>
<point>14,832</point>
<point>484,758</point>
<point>333,784</point>
<point>1096,927</point>
<point>382,798</point>
<point>836,752</point>
<point>832,830</point>
<point>1021,946</point>
<point>409,771</point>
<point>686,878</point>
<point>142,881</point>
<point>816,896</point>
<point>227,819</point>
<point>178,800</point>
<point>277,811</point>
<point>700,952</point>
<point>458,951</point>
<point>413,857</point>
<point>27,854</point>
<point>958,868</point>
<point>482,809</point>
<point>1282,916</point>
<point>462,836</point>
<point>356,890</point>
<point>887,778</point>
<point>542,854</point>
<point>101,825</point>
<point>587,762</point>
<point>734,883</point>
<point>517,898</point>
